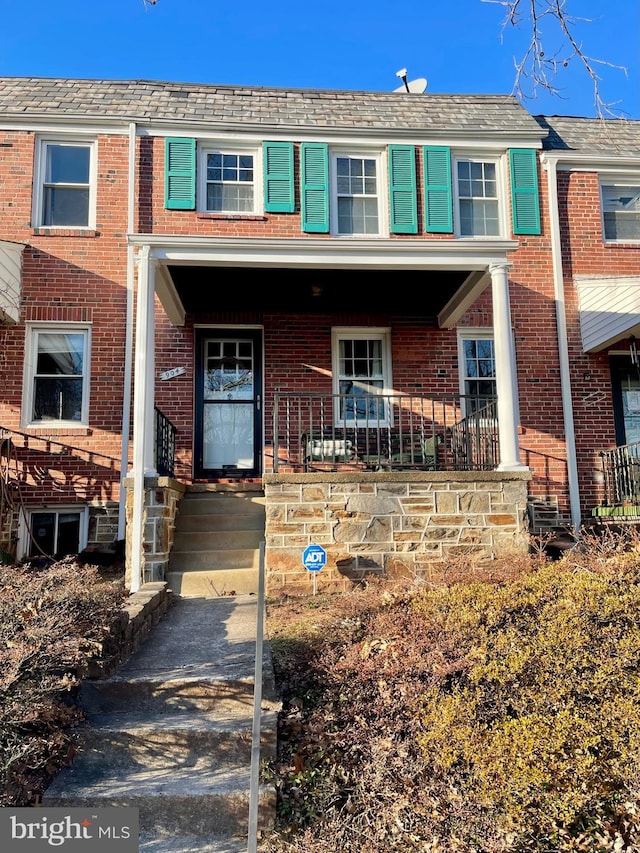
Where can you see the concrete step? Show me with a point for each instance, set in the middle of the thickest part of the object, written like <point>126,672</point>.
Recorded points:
<point>191,844</point>
<point>107,701</point>
<point>221,521</point>
<point>205,559</point>
<point>174,801</point>
<point>216,540</point>
<point>200,503</point>
<point>160,750</point>
<point>152,739</point>
<point>208,583</point>
<point>170,732</point>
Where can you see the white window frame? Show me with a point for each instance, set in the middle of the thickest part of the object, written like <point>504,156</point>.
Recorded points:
<point>618,180</point>
<point>43,144</point>
<point>472,334</point>
<point>24,539</point>
<point>33,330</point>
<point>499,163</point>
<point>339,333</point>
<point>381,196</point>
<point>237,150</point>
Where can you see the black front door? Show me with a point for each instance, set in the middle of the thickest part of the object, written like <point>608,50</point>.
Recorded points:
<point>228,429</point>
<point>625,379</point>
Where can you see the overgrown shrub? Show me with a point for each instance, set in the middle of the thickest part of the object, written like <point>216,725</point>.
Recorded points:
<point>52,621</point>
<point>484,716</point>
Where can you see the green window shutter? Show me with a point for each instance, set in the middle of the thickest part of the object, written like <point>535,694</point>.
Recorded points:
<point>403,201</point>
<point>278,177</point>
<point>314,175</point>
<point>180,173</point>
<point>438,211</point>
<point>525,200</point>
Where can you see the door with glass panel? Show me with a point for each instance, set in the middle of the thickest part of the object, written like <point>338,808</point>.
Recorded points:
<point>625,378</point>
<point>228,433</point>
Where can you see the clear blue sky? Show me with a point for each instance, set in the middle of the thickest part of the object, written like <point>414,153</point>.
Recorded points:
<point>334,44</point>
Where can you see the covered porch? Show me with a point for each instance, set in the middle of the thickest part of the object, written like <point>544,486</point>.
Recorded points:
<point>310,430</point>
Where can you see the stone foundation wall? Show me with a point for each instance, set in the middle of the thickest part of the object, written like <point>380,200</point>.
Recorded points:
<point>140,613</point>
<point>161,498</point>
<point>391,523</point>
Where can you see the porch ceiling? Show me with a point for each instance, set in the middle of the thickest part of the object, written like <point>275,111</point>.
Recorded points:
<point>417,294</point>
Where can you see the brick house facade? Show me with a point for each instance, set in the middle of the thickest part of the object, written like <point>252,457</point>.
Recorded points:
<point>381,294</point>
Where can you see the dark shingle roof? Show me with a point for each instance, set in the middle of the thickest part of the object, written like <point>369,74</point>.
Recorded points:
<point>591,135</point>
<point>144,100</point>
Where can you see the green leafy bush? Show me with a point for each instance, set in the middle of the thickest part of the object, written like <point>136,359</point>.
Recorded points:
<point>52,621</point>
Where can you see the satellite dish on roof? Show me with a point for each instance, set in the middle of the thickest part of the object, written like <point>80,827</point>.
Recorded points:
<point>416,87</point>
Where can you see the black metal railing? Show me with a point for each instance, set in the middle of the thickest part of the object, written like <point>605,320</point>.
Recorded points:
<point>384,432</point>
<point>165,445</point>
<point>621,469</point>
<point>474,439</point>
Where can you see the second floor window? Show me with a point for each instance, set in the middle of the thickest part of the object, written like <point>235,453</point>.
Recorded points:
<point>65,186</point>
<point>621,211</point>
<point>357,195</point>
<point>478,208</point>
<point>230,182</point>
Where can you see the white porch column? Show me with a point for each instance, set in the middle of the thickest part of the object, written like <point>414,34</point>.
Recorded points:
<point>506,380</point>
<point>143,406</point>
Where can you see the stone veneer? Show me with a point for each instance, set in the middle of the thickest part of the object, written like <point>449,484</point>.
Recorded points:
<point>391,523</point>
<point>140,612</point>
<point>161,498</point>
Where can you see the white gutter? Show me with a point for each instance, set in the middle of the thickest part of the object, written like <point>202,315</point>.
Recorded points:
<point>128,345</point>
<point>563,346</point>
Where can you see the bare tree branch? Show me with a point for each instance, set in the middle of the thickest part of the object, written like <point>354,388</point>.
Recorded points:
<point>536,69</point>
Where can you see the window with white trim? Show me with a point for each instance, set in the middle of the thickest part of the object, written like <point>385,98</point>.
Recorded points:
<point>230,180</point>
<point>477,365</point>
<point>54,532</point>
<point>478,190</point>
<point>56,384</point>
<point>357,195</point>
<point>65,185</point>
<point>361,374</point>
<point>621,210</point>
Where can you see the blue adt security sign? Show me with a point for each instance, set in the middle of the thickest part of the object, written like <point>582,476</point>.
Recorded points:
<point>314,558</point>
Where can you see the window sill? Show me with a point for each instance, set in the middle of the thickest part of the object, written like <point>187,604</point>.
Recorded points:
<point>621,244</point>
<point>40,431</point>
<point>249,217</point>
<point>64,232</point>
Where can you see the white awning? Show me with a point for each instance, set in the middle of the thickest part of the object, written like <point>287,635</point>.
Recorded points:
<point>609,310</point>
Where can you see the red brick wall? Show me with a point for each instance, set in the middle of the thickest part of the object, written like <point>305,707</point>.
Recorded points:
<point>78,277</point>
<point>586,254</point>
<point>83,278</point>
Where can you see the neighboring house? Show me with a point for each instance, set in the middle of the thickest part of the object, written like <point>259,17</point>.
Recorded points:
<point>403,317</point>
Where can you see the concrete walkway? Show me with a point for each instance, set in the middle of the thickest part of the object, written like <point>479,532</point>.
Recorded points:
<point>170,732</point>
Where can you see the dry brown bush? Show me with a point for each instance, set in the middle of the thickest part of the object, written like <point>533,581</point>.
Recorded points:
<point>53,620</point>
<point>524,656</point>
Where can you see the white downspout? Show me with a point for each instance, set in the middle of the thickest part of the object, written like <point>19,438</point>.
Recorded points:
<point>563,345</point>
<point>128,345</point>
